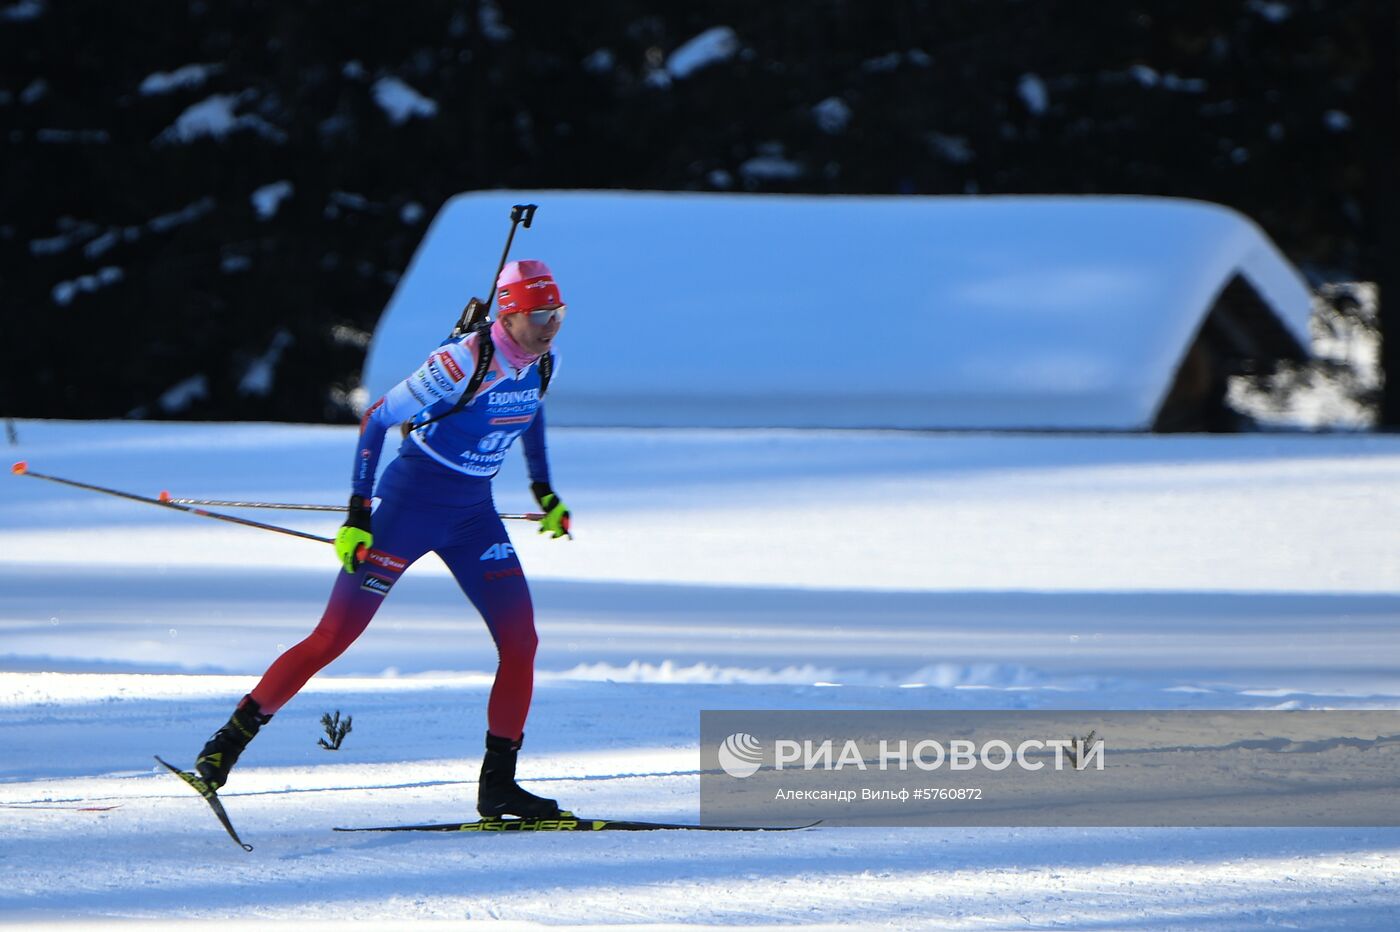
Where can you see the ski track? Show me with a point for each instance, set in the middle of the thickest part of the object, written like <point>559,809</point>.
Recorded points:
<point>713,569</point>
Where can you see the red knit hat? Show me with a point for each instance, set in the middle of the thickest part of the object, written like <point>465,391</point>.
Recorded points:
<point>527,285</point>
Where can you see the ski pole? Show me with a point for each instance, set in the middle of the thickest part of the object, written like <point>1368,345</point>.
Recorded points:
<point>165,497</point>
<point>284,506</point>
<point>22,469</point>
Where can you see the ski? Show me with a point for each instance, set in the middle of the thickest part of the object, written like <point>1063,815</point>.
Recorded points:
<point>568,822</point>
<point>210,797</point>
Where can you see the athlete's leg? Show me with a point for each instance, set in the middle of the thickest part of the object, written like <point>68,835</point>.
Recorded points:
<point>401,536</point>
<point>484,563</point>
<point>482,559</point>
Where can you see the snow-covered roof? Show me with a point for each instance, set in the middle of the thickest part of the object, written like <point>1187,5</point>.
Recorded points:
<point>915,312</point>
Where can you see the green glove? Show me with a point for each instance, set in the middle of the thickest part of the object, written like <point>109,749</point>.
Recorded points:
<point>354,539</point>
<point>555,522</point>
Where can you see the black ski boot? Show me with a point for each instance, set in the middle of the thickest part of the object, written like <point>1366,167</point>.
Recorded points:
<point>223,747</point>
<point>498,794</point>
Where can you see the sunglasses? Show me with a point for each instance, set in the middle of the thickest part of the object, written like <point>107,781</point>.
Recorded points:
<point>542,317</point>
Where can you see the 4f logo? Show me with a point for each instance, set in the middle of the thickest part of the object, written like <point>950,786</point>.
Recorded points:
<point>499,552</point>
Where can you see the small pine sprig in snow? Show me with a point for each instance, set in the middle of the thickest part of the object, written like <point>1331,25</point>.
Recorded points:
<point>336,730</point>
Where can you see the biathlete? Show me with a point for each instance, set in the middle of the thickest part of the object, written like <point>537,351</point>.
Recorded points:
<point>436,495</point>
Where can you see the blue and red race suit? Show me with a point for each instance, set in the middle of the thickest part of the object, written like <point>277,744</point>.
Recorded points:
<point>436,496</point>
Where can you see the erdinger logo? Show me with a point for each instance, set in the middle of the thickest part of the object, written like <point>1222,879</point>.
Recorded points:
<point>513,398</point>
<point>740,755</point>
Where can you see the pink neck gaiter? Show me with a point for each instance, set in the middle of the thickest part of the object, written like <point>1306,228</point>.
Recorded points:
<point>508,348</point>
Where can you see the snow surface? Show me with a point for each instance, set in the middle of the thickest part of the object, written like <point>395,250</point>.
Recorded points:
<point>261,373</point>
<point>184,393</point>
<point>163,223</point>
<point>400,102</point>
<point>833,115</point>
<point>214,117</point>
<point>98,241</point>
<point>715,45</point>
<point>720,310</point>
<point>183,78</point>
<point>711,569</point>
<point>1033,93</point>
<point>771,165</point>
<point>268,199</point>
<point>64,292</point>
<point>1347,370</point>
<point>23,10</point>
<point>34,91</point>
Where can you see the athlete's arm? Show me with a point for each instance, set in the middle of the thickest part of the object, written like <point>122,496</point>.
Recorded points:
<point>556,518</point>
<point>442,377</point>
<point>536,452</point>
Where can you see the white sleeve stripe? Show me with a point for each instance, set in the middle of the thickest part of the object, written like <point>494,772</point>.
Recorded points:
<point>429,384</point>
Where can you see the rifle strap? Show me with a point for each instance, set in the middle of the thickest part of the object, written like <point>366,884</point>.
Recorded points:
<point>546,367</point>
<point>485,352</point>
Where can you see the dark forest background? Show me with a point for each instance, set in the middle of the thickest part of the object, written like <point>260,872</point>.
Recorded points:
<point>134,258</point>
